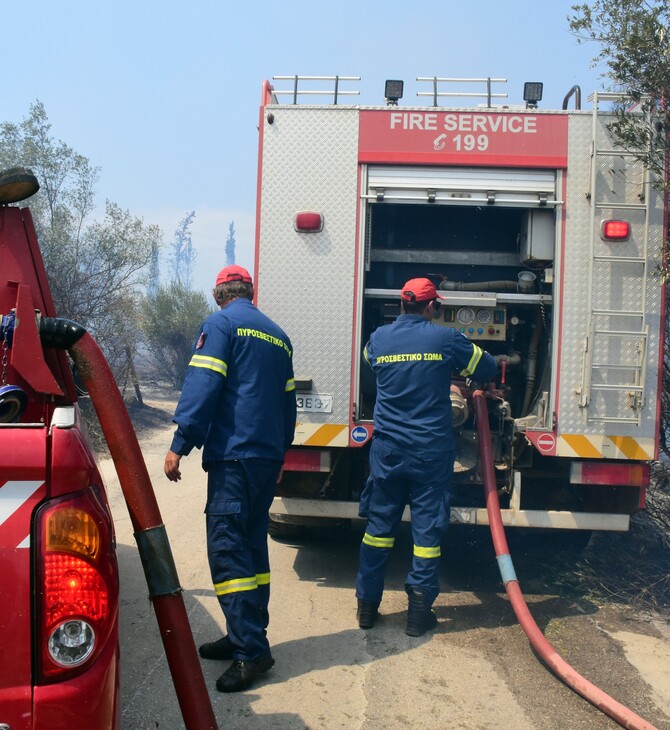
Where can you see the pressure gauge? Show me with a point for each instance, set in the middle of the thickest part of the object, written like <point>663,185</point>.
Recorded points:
<point>484,316</point>
<point>465,315</point>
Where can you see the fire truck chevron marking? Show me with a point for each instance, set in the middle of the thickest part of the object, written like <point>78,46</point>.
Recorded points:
<point>328,434</point>
<point>631,448</point>
<point>17,500</point>
<point>605,447</point>
<point>581,445</point>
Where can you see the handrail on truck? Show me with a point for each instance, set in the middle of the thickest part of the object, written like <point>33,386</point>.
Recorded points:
<point>488,94</point>
<point>334,92</point>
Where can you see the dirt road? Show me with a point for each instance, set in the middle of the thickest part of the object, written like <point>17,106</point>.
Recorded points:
<point>475,671</point>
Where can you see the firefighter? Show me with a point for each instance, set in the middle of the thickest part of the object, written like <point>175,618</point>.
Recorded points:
<point>413,449</point>
<point>238,403</point>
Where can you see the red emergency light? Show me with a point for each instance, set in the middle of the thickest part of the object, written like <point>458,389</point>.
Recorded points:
<point>614,230</point>
<point>307,221</point>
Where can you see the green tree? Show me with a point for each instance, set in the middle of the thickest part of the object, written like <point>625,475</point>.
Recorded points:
<point>95,267</point>
<point>154,270</point>
<point>634,41</point>
<point>170,321</point>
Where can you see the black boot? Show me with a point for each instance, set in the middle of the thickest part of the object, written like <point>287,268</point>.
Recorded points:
<point>366,613</point>
<point>221,649</point>
<point>241,675</point>
<point>420,616</point>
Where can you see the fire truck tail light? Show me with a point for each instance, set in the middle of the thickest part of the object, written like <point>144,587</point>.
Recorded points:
<point>77,583</point>
<point>312,460</point>
<point>615,230</point>
<point>308,222</point>
<point>625,474</point>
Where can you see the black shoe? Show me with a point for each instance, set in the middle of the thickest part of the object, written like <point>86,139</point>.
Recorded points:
<point>221,649</point>
<point>241,674</point>
<point>366,613</point>
<point>420,616</point>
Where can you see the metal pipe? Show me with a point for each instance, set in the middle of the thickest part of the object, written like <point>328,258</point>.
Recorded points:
<point>578,97</point>
<point>606,704</point>
<point>505,285</point>
<point>167,600</point>
<point>532,363</point>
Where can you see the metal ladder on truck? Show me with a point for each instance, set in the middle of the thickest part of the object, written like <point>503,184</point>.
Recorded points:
<point>614,375</point>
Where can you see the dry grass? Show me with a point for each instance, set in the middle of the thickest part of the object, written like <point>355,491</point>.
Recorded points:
<point>155,413</point>
<point>631,568</point>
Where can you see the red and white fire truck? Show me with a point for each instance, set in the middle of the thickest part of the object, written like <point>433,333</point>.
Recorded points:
<point>59,582</point>
<point>544,237</point>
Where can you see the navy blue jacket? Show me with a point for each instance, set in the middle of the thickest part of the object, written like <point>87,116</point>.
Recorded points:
<point>238,398</point>
<point>413,361</point>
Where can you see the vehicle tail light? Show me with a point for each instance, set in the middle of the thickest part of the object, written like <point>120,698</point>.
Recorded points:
<point>77,583</point>
<point>313,460</point>
<point>632,474</point>
<point>613,230</point>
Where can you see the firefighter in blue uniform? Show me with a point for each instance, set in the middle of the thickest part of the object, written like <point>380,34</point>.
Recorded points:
<point>412,451</point>
<point>238,403</point>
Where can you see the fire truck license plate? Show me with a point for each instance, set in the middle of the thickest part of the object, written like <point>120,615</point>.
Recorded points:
<point>314,403</point>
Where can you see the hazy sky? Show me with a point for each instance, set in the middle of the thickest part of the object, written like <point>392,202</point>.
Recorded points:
<point>164,96</point>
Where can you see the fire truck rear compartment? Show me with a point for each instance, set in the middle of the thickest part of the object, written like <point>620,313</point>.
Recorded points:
<point>495,264</point>
<point>475,251</point>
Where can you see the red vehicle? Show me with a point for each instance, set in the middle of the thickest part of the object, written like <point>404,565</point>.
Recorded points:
<point>59,657</point>
<point>544,238</point>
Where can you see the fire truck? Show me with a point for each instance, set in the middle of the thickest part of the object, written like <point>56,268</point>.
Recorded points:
<point>543,236</point>
<point>59,655</point>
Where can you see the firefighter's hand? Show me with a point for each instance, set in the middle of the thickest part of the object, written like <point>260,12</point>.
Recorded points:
<point>171,466</point>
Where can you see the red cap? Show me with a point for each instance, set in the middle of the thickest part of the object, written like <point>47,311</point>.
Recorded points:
<point>233,273</point>
<point>419,290</point>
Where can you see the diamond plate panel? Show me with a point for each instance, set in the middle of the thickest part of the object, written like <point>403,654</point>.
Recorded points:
<point>306,280</point>
<point>619,179</point>
<point>615,286</point>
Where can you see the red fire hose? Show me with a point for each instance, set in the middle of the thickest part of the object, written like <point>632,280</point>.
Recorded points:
<point>161,574</point>
<point>625,717</point>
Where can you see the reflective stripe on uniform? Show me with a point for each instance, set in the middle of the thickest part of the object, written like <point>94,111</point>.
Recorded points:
<point>378,542</point>
<point>365,355</point>
<point>290,385</point>
<point>209,363</point>
<point>262,579</point>
<point>427,552</point>
<point>474,361</point>
<point>236,585</point>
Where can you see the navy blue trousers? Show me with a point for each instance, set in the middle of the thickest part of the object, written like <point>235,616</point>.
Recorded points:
<point>239,495</point>
<point>399,477</point>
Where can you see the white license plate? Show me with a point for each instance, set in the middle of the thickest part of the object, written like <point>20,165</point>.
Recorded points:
<point>314,402</point>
